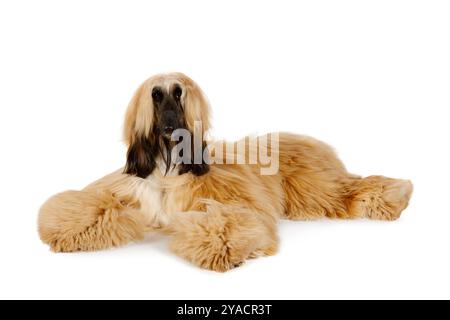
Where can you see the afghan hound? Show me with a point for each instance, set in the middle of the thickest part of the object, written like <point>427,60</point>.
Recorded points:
<point>218,214</point>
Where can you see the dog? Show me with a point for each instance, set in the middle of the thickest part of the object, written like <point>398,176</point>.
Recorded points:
<point>218,214</point>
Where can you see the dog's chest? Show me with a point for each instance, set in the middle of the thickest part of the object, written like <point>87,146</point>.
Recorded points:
<point>161,196</point>
<point>150,196</point>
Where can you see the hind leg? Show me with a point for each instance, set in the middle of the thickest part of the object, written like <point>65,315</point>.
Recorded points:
<point>317,185</point>
<point>374,197</point>
<point>378,197</point>
<point>89,220</point>
<point>223,237</point>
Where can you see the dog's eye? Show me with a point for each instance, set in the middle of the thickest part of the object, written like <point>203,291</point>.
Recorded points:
<point>157,94</point>
<point>177,92</point>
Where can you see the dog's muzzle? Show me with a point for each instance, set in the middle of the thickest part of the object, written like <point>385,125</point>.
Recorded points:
<point>169,123</point>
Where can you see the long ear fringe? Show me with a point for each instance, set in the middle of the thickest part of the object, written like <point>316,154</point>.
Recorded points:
<point>139,115</point>
<point>197,107</point>
<point>196,169</point>
<point>141,158</point>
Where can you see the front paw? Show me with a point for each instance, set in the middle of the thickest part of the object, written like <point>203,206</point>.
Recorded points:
<point>221,238</point>
<point>209,249</point>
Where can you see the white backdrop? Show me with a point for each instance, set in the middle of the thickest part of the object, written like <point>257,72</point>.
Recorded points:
<point>371,78</point>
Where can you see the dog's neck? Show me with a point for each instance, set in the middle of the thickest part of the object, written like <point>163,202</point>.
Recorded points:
<point>162,166</point>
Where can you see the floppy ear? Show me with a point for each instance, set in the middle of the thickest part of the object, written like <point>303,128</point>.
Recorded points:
<point>139,115</point>
<point>197,107</point>
<point>138,134</point>
<point>141,158</point>
<point>197,111</point>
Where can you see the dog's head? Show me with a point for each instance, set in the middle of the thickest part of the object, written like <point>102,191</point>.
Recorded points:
<point>161,105</point>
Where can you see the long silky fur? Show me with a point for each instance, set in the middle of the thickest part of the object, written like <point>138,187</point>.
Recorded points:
<point>141,157</point>
<point>197,169</point>
<point>218,216</point>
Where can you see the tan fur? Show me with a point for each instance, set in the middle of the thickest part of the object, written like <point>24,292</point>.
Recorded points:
<point>312,183</point>
<point>230,214</point>
<point>139,115</point>
<point>222,237</point>
<point>86,221</point>
<point>110,212</point>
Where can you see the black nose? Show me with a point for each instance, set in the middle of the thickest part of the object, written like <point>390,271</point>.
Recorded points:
<point>168,129</point>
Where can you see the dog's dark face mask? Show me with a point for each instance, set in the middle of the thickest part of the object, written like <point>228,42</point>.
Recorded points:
<point>169,115</point>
